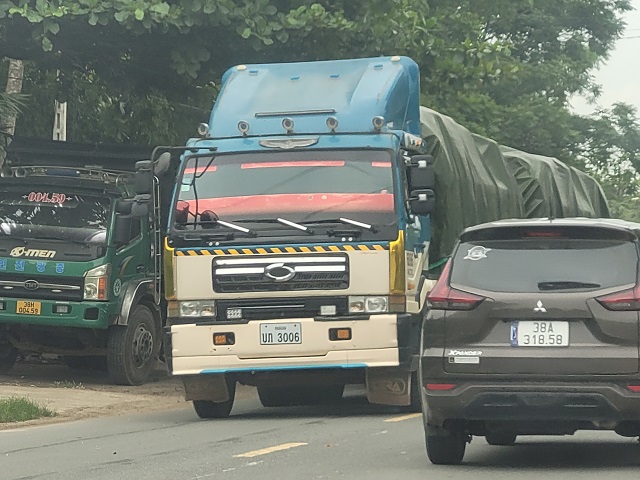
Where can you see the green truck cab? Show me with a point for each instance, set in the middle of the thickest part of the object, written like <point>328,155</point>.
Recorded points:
<point>79,258</point>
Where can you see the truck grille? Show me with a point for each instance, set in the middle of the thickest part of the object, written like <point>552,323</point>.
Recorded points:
<point>275,308</point>
<point>283,273</point>
<point>41,287</point>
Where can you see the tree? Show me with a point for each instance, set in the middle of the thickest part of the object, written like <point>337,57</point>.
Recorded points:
<point>146,70</point>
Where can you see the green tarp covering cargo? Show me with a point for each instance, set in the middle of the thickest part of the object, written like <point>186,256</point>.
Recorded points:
<point>478,181</point>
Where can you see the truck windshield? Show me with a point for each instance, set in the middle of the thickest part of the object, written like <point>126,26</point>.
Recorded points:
<point>54,214</point>
<point>307,187</point>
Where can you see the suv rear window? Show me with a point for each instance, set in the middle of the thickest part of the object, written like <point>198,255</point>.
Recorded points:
<point>548,260</point>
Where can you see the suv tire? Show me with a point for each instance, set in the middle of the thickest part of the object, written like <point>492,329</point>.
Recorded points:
<point>446,449</point>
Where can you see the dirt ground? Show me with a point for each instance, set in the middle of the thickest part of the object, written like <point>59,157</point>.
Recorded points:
<point>76,394</point>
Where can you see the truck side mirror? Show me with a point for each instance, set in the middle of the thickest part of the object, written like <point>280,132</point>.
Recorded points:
<point>123,206</point>
<point>162,163</point>
<point>143,177</point>
<point>182,212</point>
<point>422,202</point>
<point>122,230</point>
<point>421,173</point>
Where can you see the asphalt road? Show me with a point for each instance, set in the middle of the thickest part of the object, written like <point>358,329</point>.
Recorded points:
<point>351,440</point>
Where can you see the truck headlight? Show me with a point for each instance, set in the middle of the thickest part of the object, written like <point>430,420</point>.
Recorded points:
<point>198,308</point>
<point>96,283</point>
<point>369,304</point>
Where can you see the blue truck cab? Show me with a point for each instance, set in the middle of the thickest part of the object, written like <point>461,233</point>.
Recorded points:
<point>298,235</point>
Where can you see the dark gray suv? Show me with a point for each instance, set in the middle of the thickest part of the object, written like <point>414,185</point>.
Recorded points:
<point>533,330</point>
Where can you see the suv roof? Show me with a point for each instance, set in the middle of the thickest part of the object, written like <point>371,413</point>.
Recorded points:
<point>559,222</point>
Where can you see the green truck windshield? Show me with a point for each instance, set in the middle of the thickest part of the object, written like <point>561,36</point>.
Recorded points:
<point>54,213</point>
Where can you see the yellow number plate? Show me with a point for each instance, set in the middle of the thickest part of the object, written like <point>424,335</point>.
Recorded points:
<point>26,307</point>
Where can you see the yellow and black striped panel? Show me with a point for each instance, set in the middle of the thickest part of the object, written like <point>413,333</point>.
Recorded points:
<point>192,252</point>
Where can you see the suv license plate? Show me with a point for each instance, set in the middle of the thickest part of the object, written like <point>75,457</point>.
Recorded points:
<point>280,333</point>
<point>540,334</point>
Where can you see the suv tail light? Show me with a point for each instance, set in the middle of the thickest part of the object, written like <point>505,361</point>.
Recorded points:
<point>626,300</point>
<point>443,297</point>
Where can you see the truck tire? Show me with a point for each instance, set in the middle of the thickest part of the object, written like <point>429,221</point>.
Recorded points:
<point>8,356</point>
<point>446,449</point>
<point>132,350</point>
<point>505,439</point>
<point>294,396</point>
<point>208,409</point>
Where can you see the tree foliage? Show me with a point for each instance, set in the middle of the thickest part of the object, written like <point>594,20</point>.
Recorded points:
<point>146,70</point>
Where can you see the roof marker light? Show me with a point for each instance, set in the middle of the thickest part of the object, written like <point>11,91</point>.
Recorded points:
<point>395,58</point>
<point>378,123</point>
<point>243,127</point>
<point>287,124</point>
<point>241,67</point>
<point>203,130</point>
<point>332,123</point>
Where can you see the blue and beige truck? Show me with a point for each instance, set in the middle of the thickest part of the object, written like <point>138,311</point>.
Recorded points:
<point>308,220</point>
<point>298,235</point>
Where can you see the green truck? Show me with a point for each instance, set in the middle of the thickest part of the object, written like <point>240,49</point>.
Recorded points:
<point>80,258</point>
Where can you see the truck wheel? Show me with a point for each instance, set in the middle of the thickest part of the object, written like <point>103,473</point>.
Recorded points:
<point>8,356</point>
<point>132,350</point>
<point>446,449</point>
<point>505,439</point>
<point>208,409</point>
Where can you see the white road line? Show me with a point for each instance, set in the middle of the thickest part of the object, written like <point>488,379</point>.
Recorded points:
<point>265,451</point>
<point>402,418</point>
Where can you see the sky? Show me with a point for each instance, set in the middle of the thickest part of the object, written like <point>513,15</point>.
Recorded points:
<point>619,75</point>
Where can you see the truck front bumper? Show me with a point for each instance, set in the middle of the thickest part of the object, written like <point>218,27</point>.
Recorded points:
<point>80,314</point>
<point>388,340</point>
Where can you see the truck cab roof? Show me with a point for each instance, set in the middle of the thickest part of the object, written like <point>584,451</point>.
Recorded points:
<point>350,92</point>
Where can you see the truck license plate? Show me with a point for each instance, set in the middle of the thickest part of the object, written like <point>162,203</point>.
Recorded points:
<point>540,334</point>
<point>280,333</point>
<point>27,307</point>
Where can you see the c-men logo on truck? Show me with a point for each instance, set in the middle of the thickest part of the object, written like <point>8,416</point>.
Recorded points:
<point>32,252</point>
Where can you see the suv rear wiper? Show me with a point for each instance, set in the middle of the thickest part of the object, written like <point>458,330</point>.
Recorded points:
<point>565,285</point>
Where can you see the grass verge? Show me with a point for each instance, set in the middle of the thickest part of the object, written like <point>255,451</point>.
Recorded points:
<point>21,409</point>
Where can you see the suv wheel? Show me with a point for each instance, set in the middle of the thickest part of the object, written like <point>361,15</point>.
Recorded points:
<point>447,449</point>
<point>500,438</point>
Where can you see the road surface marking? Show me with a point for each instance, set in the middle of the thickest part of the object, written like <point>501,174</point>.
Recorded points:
<point>265,451</point>
<point>403,417</point>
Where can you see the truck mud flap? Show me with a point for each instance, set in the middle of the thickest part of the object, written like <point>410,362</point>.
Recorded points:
<point>206,387</point>
<point>388,386</point>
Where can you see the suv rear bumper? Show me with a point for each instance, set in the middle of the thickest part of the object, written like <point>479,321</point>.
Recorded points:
<point>525,402</point>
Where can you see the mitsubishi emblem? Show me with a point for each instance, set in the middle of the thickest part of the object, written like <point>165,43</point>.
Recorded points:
<point>540,307</point>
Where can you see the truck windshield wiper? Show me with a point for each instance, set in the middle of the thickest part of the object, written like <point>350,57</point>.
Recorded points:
<point>347,221</point>
<point>209,219</point>
<point>565,285</point>
<point>283,221</point>
<point>26,238</point>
